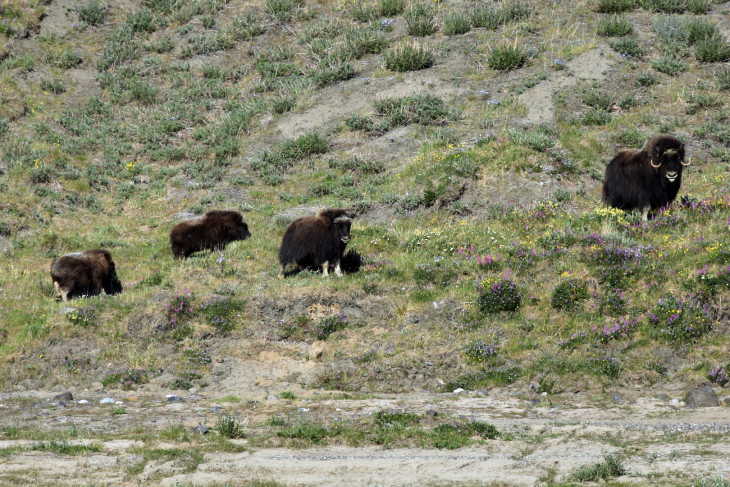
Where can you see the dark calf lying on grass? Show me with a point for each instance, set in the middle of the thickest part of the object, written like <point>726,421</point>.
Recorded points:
<point>84,274</point>
<point>213,231</point>
<point>317,240</point>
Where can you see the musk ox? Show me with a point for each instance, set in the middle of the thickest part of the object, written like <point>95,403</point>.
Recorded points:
<point>213,231</point>
<point>645,179</point>
<point>317,240</point>
<point>84,274</point>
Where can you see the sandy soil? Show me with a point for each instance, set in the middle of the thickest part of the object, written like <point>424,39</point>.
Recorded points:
<point>660,443</point>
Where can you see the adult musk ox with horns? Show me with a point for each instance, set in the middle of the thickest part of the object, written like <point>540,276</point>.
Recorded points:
<point>317,240</point>
<point>645,179</point>
<point>213,231</point>
<point>84,274</point>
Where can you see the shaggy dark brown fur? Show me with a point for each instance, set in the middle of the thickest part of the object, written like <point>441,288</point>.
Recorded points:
<point>213,232</point>
<point>645,179</point>
<point>317,240</point>
<point>84,274</point>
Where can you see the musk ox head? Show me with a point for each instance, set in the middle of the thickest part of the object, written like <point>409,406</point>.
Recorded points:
<point>341,222</point>
<point>236,228</point>
<point>666,155</point>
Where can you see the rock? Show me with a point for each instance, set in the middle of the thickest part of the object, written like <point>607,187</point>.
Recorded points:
<point>618,399</point>
<point>83,401</point>
<point>107,400</point>
<point>216,409</point>
<point>271,397</point>
<point>317,349</point>
<point>432,413</point>
<point>61,404</point>
<point>200,429</point>
<point>458,391</point>
<point>727,401</point>
<point>65,310</point>
<point>174,398</point>
<point>97,386</point>
<point>5,245</point>
<point>701,397</point>
<point>674,402</point>
<point>64,396</point>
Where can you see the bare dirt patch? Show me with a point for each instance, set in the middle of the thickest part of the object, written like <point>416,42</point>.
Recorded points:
<point>589,66</point>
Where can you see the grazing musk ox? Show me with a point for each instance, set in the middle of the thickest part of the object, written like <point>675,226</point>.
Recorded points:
<point>213,231</point>
<point>317,240</point>
<point>645,179</point>
<point>84,274</point>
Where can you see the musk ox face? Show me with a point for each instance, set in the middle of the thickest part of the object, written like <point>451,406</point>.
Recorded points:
<point>317,240</point>
<point>214,231</point>
<point>342,228</point>
<point>666,155</point>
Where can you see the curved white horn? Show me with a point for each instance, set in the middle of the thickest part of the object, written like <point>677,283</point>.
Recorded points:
<point>652,164</point>
<point>685,164</point>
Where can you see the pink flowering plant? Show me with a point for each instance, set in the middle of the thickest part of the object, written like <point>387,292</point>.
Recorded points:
<point>680,320</point>
<point>497,294</point>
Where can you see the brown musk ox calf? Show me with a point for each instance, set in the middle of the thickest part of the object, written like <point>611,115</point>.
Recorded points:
<point>645,179</point>
<point>317,240</point>
<point>213,231</point>
<point>84,274</point>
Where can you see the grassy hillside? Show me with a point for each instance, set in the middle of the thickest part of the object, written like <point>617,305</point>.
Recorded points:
<point>470,137</point>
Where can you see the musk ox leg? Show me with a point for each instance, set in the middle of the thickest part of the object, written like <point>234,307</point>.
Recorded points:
<point>281,272</point>
<point>645,214</point>
<point>59,295</point>
<point>325,268</point>
<point>338,270</point>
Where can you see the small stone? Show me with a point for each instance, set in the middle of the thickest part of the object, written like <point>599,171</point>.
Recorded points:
<point>5,245</point>
<point>271,397</point>
<point>97,386</point>
<point>727,401</point>
<point>303,410</point>
<point>458,390</point>
<point>215,409</point>
<point>701,397</point>
<point>174,398</point>
<point>65,310</point>
<point>61,404</point>
<point>83,401</point>
<point>107,400</point>
<point>317,349</point>
<point>674,402</point>
<point>618,399</point>
<point>432,413</point>
<point>200,429</point>
<point>64,396</point>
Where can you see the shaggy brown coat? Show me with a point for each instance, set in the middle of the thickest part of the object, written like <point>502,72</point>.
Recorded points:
<point>213,231</point>
<point>84,274</point>
<point>645,179</point>
<point>317,240</point>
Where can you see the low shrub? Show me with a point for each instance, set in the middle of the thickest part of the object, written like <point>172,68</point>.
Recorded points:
<point>408,57</point>
<point>419,20</point>
<point>505,58</point>
<point>680,320</point>
<point>613,26</point>
<point>497,294</point>
<point>479,351</point>
<point>229,426</point>
<point>330,324</point>
<point>569,294</point>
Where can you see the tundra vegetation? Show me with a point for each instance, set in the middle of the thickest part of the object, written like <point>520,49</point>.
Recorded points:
<point>485,255</point>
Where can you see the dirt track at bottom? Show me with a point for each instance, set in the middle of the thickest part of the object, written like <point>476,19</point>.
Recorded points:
<point>660,444</point>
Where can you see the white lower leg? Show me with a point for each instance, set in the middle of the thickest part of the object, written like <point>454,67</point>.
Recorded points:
<point>325,268</point>
<point>338,270</point>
